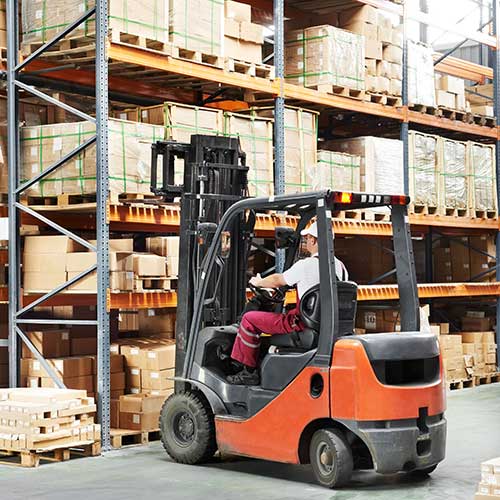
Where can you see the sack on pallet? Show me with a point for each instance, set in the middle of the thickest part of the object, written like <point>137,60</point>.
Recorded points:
<point>453,178</point>
<point>197,25</point>
<point>423,174</point>
<point>324,55</point>
<point>338,171</point>
<point>421,74</point>
<point>256,140</point>
<point>481,168</point>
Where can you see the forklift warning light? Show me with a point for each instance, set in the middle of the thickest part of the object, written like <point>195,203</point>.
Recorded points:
<point>349,198</point>
<point>346,198</point>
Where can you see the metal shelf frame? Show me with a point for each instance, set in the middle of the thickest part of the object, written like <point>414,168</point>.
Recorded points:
<point>106,215</point>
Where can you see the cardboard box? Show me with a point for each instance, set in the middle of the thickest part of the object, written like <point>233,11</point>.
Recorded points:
<point>148,265</point>
<point>231,28</point>
<point>141,403</point>
<point>395,87</point>
<point>156,321</point>
<point>122,281</point>
<point>83,346</point>
<point>163,245</point>
<point>41,263</point>
<point>128,321</point>
<point>160,380</point>
<point>373,49</point>
<point>133,377</point>
<point>445,99</point>
<point>383,85</point>
<point>392,54</point>
<point>476,324</point>
<point>158,358</point>
<point>117,381</point>
<point>489,337</point>
<point>251,32</point>
<point>241,50</point>
<point>451,84</point>
<point>115,414</point>
<point>43,281</point>
<point>64,367</point>
<point>119,261</point>
<point>362,28</point>
<point>365,14</point>
<point>139,421</point>
<point>84,383</point>
<point>50,343</point>
<point>240,12</point>
<point>132,355</point>
<point>51,245</point>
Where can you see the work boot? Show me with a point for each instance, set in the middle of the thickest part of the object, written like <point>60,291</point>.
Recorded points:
<point>247,376</point>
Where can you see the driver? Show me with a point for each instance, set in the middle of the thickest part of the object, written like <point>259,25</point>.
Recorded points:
<point>304,274</point>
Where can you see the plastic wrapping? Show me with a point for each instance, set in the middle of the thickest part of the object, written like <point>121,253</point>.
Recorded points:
<point>338,171</point>
<point>129,157</point>
<point>325,55</point>
<point>256,139</point>
<point>301,145</point>
<point>197,25</point>
<point>453,189</point>
<point>381,162</point>
<point>421,75</point>
<point>423,173</point>
<point>481,168</point>
<point>42,19</point>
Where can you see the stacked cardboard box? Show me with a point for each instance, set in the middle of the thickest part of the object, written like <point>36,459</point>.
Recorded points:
<point>482,175</point>
<point>480,99</point>
<point>481,348</point>
<point>464,258</point>
<point>381,162</point>
<point>301,144</point>
<point>450,92</point>
<point>197,25</point>
<point>157,323</point>
<point>421,75</point>
<point>453,357</point>
<point>489,487</point>
<point>383,47</point>
<point>339,171</point>
<point>167,247</point>
<point>37,419</point>
<point>423,172</point>
<point>378,320</point>
<point>256,140</point>
<point>42,19</point>
<point>243,39</point>
<point>453,176</point>
<point>323,56</point>
<point>140,412</point>
<point>129,157</point>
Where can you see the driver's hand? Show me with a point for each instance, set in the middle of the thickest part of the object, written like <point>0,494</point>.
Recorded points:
<point>255,280</point>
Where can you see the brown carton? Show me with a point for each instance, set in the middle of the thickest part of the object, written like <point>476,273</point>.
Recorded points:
<point>121,281</point>
<point>365,13</point>
<point>476,324</point>
<point>148,265</point>
<point>133,377</point>
<point>85,382</point>
<point>251,32</point>
<point>115,414</point>
<point>43,281</point>
<point>165,246</point>
<point>160,380</point>
<point>240,12</point>
<point>64,367</point>
<point>139,421</point>
<point>50,244</point>
<point>50,343</point>
<point>156,322</point>
<point>83,346</point>
<point>158,358</point>
<point>488,337</point>
<point>141,403</point>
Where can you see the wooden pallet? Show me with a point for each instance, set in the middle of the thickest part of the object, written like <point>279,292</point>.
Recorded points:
<point>133,198</point>
<point>386,100</point>
<point>61,200</point>
<point>117,36</point>
<point>260,70</point>
<point>153,284</point>
<point>455,212</point>
<point>339,90</point>
<point>487,378</point>
<point>33,458</point>
<point>484,214</point>
<point>428,110</point>
<point>422,209</point>
<point>125,437</point>
<point>459,384</point>
<point>197,57</point>
<point>484,121</point>
<point>454,114</point>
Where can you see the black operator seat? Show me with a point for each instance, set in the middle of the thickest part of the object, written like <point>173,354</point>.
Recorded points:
<point>310,312</point>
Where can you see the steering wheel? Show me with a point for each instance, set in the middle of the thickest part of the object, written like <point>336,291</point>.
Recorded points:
<point>273,295</point>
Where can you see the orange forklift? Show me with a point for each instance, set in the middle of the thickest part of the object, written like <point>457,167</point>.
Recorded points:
<point>337,401</point>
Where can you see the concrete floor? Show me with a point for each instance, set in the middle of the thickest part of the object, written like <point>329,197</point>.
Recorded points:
<point>147,472</point>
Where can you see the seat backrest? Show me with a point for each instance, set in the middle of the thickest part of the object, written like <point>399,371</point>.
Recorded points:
<point>310,307</point>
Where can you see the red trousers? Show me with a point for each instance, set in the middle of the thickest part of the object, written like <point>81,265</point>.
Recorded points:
<point>246,347</point>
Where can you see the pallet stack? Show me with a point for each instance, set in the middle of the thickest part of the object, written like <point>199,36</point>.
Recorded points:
<point>489,487</point>
<point>452,354</point>
<point>482,180</point>
<point>334,170</point>
<point>480,99</point>
<point>481,348</point>
<point>243,40</point>
<point>327,59</point>
<point>450,92</point>
<point>383,51</point>
<point>34,421</point>
<point>421,91</point>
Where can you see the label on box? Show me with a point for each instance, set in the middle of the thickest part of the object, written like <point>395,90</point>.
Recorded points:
<point>59,364</point>
<point>34,168</point>
<point>136,418</point>
<point>57,144</point>
<point>134,390</point>
<point>65,336</point>
<point>134,351</point>
<point>38,14</point>
<point>135,371</point>
<point>34,151</point>
<point>81,8</point>
<point>151,312</point>
<point>114,348</point>
<point>36,365</point>
<point>123,116</point>
<point>152,355</point>
<point>370,320</point>
<point>144,113</point>
<point>155,375</point>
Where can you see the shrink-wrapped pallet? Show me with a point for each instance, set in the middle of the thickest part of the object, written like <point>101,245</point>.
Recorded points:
<point>129,150</point>
<point>197,25</point>
<point>256,140</point>
<point>453,176</point>
<point>324,55</point>
<point>301,145</point>
<point>42,19</point>
<point>381,162</point>
<point>481,168</point>
<point>421,75</point>
<point>338,171</point>
<point>423,172</point>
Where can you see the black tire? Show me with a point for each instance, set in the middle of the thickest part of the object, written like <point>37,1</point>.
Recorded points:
<point>187,428</point>
<point>424,472</point>
<point>331,458</point>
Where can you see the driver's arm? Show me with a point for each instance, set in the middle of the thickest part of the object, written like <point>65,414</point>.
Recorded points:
<point>275,280</point>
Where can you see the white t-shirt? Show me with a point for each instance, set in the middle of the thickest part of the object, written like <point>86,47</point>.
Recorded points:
<point>305,274</point>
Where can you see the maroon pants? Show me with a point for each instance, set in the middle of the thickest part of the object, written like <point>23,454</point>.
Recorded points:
<point>246,347</point>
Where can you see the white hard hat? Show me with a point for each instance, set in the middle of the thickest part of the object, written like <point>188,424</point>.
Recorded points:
<point>312,230</point>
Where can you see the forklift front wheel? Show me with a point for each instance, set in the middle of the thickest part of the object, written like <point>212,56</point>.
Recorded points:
<point>331,458</point>
<point>187,428</point>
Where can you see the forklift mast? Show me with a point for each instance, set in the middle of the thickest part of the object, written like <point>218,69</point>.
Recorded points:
<point>215,177</point>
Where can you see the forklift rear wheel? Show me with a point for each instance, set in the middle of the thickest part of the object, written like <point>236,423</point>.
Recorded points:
<point>187,428</point>
<point>331,458</point>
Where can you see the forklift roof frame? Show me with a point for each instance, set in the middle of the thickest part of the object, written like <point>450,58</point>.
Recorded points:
<point>323,203</point>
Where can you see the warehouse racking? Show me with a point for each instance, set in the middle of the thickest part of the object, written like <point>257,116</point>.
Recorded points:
<point>92,76</point>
